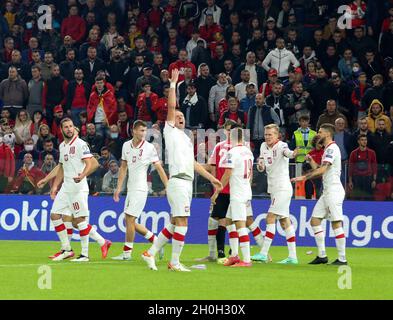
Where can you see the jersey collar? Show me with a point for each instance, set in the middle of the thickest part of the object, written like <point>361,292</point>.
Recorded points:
<point>72,141</point>
<point>329,144</point>
<point>139,146</point>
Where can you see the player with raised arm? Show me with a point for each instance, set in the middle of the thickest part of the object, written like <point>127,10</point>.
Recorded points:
<point>238,174</point>
<point>330,204</point>
<point>218,224</point>
<point>274,157</point>
<point>137,156</point>
<point>75,164</point>
<point>179,189</point>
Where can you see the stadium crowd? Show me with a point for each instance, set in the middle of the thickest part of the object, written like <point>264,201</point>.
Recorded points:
<point>107,63</point>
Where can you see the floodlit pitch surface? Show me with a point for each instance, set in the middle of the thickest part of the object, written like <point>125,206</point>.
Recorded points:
<point>21,272</point>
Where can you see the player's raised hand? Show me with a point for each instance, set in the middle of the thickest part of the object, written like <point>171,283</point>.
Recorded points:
<point>260,165</point>
<point>116,195</point>
<point>298,179</point>
<point>175,76</point>
<point>41,183</point>
<point>78,178</point>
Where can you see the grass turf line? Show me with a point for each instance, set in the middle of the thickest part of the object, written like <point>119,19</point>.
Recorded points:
<point>109,279</point>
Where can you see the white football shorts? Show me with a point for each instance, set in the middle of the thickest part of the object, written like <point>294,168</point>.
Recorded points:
<point>135,203</point>
<point>179,194</point>
<point>239,210</point>
<point>330,206</point>
<point>280,201</point>
<point>71,204</point>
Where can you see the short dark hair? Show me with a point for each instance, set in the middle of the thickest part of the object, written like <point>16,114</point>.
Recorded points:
<point>362,135</point>
<point>99,78</point>
<point>66,119</point>
<point>232,124</point>
<point>104,149</point>
<point>305,117</point>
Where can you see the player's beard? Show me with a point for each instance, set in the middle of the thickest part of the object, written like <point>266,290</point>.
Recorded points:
<point>322,141</point>
<point>66,137</point>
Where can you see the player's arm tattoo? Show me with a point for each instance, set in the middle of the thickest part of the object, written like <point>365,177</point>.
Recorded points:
<point>319,171</point>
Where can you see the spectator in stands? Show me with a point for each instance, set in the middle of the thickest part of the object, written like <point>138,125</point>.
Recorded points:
<point>44,134</point>
<point>145,104</point>
<point>361,42</point>
<point>73,25</point>
<point>109,182</point>
<point>193,42</point>
<point>233,113</point>
<point>342,138</point>
<point>23,68</point>
<point>241,86</point>
<point>58,115</point>
<point>201,54</point>
<point>321,90</point>
<point>256,72</point>
<point>299,103</point>
<point>259,116</point>
<point>78,95</point>
<point>205,81</point>
<point>181,64</point>
<point>189,9</point>
<point>280,59</point>
<point>379,141</point>
<point>211,9</point>
<point>48,149</point>
<point>47,65</point>
<point>7,165</point>
<point>27,177</point>
<point>194,108</point>
<point>357,96</point>
<point>278,101</point>
<point>182,85</point>
<point>116,69</point>
<point>147,77</point>
<point>32,46</point>
<point>343,92</point>
<point>68,66</point>
<point>48,165</point>
<point>6,52</point>
<point>376,112</point>
<point>141,49</point>
<point>249,100</point>
<point>54,93</point>
<point>104,160</point>
<point>91,65</point>
<point>114,142</point>
<point>331,114</point>
<point>161,107</point>
<point>124,124</point>
<point>134,73</point>
<point>95,141</point>
<point>36,88</point>
<point>158,64</point>
<point>37,120</point>
<point>102,107</point>
<point>362,170</point>
<point>345,64</point>
<point>22,128</point>
<point>13,92</point>
<point>303,138</point>
<point>216,94</point>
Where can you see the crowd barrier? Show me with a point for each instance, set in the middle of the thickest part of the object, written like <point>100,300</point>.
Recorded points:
<point>366,224</point>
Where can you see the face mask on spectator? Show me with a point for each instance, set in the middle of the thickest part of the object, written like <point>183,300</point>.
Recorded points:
<point>114,135</point>
<point>29,25</point>
<point>29,147</point>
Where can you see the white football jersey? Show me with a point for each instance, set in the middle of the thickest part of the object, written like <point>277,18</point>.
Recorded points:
<point>240,159</point>
<point>276,160</point>
<point>138,161</point>
<point>332,177</point>
<point>180,152</point>
<point>71,157</point>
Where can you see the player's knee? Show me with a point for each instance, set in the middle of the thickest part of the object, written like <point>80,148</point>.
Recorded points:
<point>55,216</point>
<point>315,222</point>
<point>270,218</point>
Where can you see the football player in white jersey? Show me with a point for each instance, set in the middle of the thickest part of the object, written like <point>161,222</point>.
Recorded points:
<point>330,204</point>
<point>137,156</point>
<point>75,164</point>
<point>182,164</point>
<point>238,173</point>
<point>274,157</point>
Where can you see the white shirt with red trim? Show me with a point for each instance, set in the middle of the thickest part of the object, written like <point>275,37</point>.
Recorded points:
<point>138,161</point>
<point>276,160</point>
<point>332,177</point>
<point>240,159</point>
<point>180,152</point>
<point>71,157</point>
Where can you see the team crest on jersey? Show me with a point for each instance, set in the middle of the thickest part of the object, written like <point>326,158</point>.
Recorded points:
<point>72,150</point>
<point>66,157</point>
<point>269,160</point>
<point>133,159</point>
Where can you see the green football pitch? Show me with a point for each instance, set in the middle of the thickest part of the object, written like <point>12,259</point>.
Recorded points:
<point>370,275</point>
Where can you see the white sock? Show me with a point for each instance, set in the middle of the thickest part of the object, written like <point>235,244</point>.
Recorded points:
<point>69,230</point>
<point>96,236</point>
<point>233,240</point>
<point>291,241</point>
<point>84,230</point>
<point>178,244</point>
<point>61,231</point>
<point>269,236</point>
<point>211,236</point>
<point>319,236</point>
<point>340,243</point>
<point>244,242</point>
<point>257,233</point>
<point>162,239</point>
<point>127,248</point>
<point>150,236</point>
